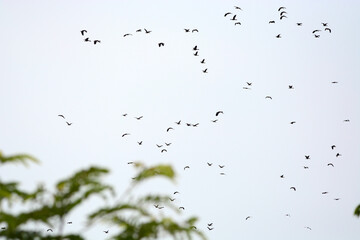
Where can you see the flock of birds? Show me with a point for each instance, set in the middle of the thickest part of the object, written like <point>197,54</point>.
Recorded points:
<point>164,146</point>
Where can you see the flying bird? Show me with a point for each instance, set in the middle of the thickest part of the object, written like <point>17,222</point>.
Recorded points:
<point>278,36</point>
<point>159,146</point>
<point>125,134</point>
<point>130,163</point>
<point>221,166</point>
<point>195,48</point>
<point>338,155</point>
<point>205,70</point>
<point>272,21</point>
<point>172,199</point>
<point>125,114</point>
<point>161,44</point>
<point>233,18</point>
<point>127,34</point>
<point>333,147</point>
<point>69,222</point>
<point>305,167</point>
<point>182,208</point>
<point>249,83</point>
<point>60,115</point>
<point>87,40</point>
<point>336,199</point>
<point>218,112</point>
<point>214,121</point>
<point>107,231</point>
<point>195,125</point>
<point>176,192</point>
<point>283,16</point>
<point>227,14</point>
<point>248,217</point>
<point>49,230</point>
<point>186,167</point>
<point>209,164</point>
<point>307,156</point>
<point>147,31</point>
<point>188,124</point>
<point>316,36</point>
<point>195,30</point>
<point>164,150</point>
<point>186,30</point>
<point>282,176</point>
<point>83,32</point>
<point>269,97</point>
<point>292,122</point>
<point>324,24</point>
<point>69,124</point>
<point>96,41</point>
<point>293,188</point>
<point>196,53</point>
<point>328,29</point>
<point>193,227</point>
<point>291,87</point>
<point>317,30</point>
<point>210,224</point>
<point>347,120</point>
<point>299,24</point>
<point>178,123</point>
<point>246,88</point>
<point>210,228</point>
<point>167,144</point>
<point>222,173</point>
<point>237,23</point>
<point>170,128</point>
<point>308,228</point>
<point>140,143</point>
<point>281,8</point>
<point>283,12</point>
<point>324,193</point>
<point>239,8</point>
<point>202,61</point>
<point>139,30</point>
<point>334,82</point>
<point>138,118</point>
<point>287,215</point>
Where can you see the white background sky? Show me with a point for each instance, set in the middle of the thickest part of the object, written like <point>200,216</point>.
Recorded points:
<point>47,69</point>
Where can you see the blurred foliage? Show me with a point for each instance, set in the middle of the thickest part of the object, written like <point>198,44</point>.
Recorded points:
<point>357,211</point>
<point>133,218</point>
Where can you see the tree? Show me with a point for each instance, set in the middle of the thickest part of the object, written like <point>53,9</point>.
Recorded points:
<point>132,218</point>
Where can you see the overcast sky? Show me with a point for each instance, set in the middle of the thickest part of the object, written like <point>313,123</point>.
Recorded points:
<point>48,69</point>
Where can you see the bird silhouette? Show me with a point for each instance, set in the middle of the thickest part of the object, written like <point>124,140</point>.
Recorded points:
<point>96,41</point>
<point>218,112</point>
<point>272,21</point>
<point>83,32</point>
<point>172,199</point>
<point>214,121</point>
<point>186,30</point>
<point>178,123</point>
<point>209,164</point>
<point>69,124</point>
<point>49,230</point>
<point>195,30</point>
<point>308,228</point>
<point>147,31</point>
<point>269,97</point>
<point>125,134</point>
<point>130,163</point>
<point>330,164</point>
<point>292,122</point>
<point>195,125</point>
<point>248,217</point>
<point>316,36</point>
<point>170,128</point>
<point>282,176</point>
<point>283,12</point>
<point>161,44</point>
<point>138,118</point>
<point>163,150</point>
<point>182,208</point>
<point>305,167</point>
<point>167,144</point>
<point>195,48</point>
<point>107,231</point>
<point>87,40</point>
<point>278,36</point>
<point>188,124</point>
<point>283,16</point>
<point>324,24</point>
<point>125,114</point>
<point>291,87</point>
<point>347,120</point>
<point>176,192</point>
<point>324,193</point>
<point>233,18</point>
<point>237,8</point>
<point>139,30</point>
<point>338,155</point>
<point>334,82</point>
<point>186,167</point>
<point>307,156</point>
<point>328,29</point>
<point>140,143</point>
<point>299,24</point>
<point>249,83</point>
<point>336,199</point>
<point>246,88</point>
<point>61,116</point>
<point>160,207</point>
<point>205,70</point>
<point>210,228</point>
<point>227,14</point>
<point>237,23</point>
<point>222,173</point>
<point>210,224</point>
<point>333,147</point>
<point>202,61</point>
<point>69,222</point>
<point>193,227</point>
<point>159,146</point>
<point>221,166</point>
<point>281,8</point>
<point>127,34</point>
<point>287,215</point>
<point>317,30</point>
<point>293,188</point>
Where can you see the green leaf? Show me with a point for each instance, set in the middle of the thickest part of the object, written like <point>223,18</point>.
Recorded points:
<point>159,170</point>
<point>19,158</point>
<point>357,211</point>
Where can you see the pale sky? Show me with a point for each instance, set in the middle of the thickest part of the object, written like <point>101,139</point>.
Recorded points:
<point>47,69</point>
